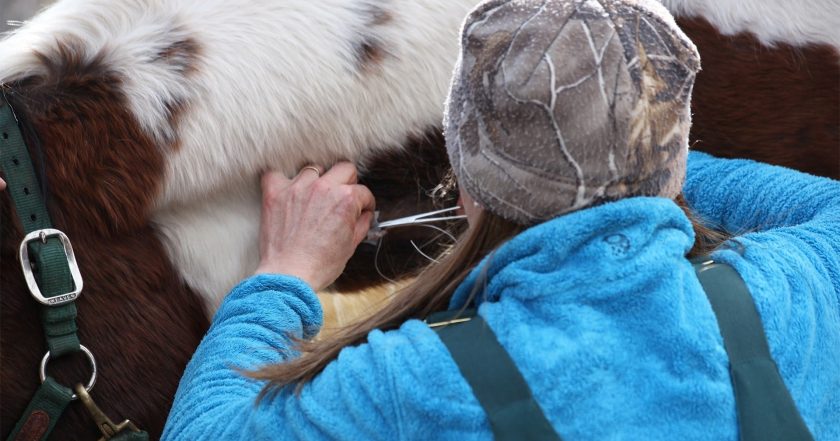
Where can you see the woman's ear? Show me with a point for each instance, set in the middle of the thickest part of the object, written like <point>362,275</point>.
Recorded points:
<point>469,206</point>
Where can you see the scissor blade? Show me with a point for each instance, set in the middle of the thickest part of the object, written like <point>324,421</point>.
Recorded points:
<point>418,218</point>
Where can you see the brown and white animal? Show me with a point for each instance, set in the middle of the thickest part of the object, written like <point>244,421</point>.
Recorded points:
<point>156,118</point>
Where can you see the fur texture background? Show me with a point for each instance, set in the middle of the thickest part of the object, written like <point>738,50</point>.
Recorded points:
<point>778,104</point>
<point>795,22</point>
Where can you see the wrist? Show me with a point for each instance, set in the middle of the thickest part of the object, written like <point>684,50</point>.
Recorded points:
<point>297,271</point>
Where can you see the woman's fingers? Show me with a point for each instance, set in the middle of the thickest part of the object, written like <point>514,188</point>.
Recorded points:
<point>342,173</point>
<point>311,224</point>
<point>308,174</point>
<point>364,198</point>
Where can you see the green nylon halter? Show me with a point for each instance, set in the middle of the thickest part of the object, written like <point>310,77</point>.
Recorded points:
<point>52,266</point>
<point>53,274</point>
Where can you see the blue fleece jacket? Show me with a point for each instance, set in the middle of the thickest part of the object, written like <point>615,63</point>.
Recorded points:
<point>599,309</point>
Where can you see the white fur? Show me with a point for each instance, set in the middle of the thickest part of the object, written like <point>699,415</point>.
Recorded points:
<point>797,22</point>
<point>277,85</point>
<point>214,241</point>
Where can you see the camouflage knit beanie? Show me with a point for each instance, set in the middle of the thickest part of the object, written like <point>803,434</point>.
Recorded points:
<point>559,105</point>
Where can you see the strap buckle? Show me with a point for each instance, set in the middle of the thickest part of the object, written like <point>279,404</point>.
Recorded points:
<point>106,426</point>
<point>42,235</point>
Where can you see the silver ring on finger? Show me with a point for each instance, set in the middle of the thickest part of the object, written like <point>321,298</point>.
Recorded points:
<point>313,168</point>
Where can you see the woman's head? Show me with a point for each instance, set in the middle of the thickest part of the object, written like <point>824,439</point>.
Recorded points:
<point>560,105</point>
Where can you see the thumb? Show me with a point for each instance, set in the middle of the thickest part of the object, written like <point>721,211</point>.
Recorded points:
<point>362,227</point>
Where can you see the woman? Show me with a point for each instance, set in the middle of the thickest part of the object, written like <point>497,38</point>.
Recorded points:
<point>567,127</point>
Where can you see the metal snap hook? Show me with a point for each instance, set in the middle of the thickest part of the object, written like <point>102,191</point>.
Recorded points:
<point>105,425</point>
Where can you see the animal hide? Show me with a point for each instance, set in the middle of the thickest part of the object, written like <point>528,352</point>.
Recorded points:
<point>769,88</point>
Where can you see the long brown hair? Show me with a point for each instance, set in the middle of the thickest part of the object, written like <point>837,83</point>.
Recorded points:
<point>429,293</point>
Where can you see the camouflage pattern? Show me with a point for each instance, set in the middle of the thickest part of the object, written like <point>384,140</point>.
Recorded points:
<point>559,105</point>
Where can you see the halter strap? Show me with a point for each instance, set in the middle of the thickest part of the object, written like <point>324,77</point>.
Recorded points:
<point>52,269</point>
<point>52,275</point>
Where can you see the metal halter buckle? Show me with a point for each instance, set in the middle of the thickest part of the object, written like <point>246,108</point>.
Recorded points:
<point>42,372</point>
<point>42,235</point>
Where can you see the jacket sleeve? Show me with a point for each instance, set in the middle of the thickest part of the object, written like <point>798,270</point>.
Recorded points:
<point>744,196</point>
<point>785,223</point>
<point>251,329</point>
<point>789,256</point>
<point>401,384</point>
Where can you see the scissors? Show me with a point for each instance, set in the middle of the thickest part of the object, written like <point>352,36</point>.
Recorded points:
<point>377,230</point>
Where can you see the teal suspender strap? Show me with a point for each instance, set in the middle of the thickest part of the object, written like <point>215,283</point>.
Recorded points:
<point>494,378</point>
<point>766,410</point>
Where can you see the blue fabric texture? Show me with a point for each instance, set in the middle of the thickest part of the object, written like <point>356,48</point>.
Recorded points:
<point>599,309</point>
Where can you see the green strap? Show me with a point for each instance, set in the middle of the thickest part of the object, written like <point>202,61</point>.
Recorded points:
<point>494,378</point>
<point>766,410</point>
<point>130,435</point>
<point>43,412</point>
<point>53,273</point>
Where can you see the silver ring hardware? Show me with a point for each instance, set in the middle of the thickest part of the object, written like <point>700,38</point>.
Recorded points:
<point>42,235</point>
<point>42,373</point>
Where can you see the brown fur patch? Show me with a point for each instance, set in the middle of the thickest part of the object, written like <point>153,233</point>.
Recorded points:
<point>370,55</point>
<point>183,55</point>
<point>101,163</point>
<point>779,105</point>
<point>370,52</point>
<point>135,313</point>
<point>380,16</point>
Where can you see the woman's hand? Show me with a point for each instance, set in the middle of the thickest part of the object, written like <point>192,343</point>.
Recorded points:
<point>312,224</point>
